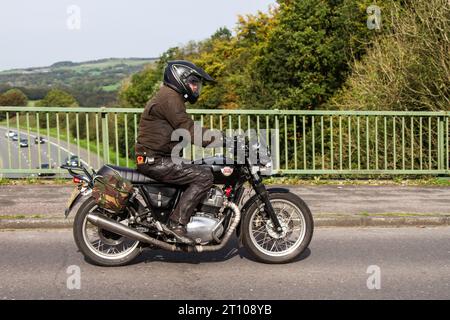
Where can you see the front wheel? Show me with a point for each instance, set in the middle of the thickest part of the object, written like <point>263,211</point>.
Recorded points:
<point>264,242</point>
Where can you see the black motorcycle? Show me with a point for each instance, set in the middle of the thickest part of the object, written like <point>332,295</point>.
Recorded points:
<point>273,224</point>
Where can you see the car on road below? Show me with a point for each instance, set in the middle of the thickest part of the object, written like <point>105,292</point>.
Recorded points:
<point>10,134</point>
<point>15,137</point>
<point>39,140</point>
<point>23,143</point>
<point>72,161</point>
<point>45,166</point>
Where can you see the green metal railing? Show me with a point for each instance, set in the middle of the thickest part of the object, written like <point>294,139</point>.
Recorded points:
<point>307,142</point>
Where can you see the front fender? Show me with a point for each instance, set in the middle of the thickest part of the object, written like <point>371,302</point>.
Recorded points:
<point>251,201</point>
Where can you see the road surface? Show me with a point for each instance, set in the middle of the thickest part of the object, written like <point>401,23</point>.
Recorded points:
<point>341,263</point>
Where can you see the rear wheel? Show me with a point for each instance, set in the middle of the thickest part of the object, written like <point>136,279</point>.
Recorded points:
<point>99,246</point>
<point>264,242</point>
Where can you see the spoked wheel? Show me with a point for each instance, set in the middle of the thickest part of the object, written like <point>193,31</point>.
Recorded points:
<point>100,246</point>
<point>270,246</point>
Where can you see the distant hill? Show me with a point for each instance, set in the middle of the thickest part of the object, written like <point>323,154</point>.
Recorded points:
<point>93,83</point>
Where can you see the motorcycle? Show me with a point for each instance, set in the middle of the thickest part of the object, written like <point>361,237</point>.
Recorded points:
<point>273,224</point>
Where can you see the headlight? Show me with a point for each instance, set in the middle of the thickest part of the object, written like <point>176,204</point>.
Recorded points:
<point>267,169</point>
<point>255,146</point>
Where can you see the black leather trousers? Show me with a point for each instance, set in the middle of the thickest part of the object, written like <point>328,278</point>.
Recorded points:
<point>198,180</point>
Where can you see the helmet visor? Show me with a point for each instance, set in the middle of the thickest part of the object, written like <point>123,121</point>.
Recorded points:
<point>195,85</point>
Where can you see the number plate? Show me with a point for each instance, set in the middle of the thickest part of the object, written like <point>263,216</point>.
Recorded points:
<point>73,196</point>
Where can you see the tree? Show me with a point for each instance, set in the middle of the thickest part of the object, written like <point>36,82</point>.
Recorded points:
<point>136,90</point>
<point>58,98</point>
<point>222,33</point>
<point>13,97</point>
<point>305,60</point>
<point>228,59</point>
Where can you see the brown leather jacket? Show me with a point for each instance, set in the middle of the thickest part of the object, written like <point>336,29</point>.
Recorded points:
<point>162,115</point>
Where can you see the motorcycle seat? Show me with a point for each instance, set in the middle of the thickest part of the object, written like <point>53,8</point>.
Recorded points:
<point>132,175</point>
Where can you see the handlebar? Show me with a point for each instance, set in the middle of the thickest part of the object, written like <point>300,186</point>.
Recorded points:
<point>88,178</point>
<point>236,144</point>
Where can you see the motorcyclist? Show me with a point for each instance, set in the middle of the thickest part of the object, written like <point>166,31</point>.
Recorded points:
<point>163,114</point>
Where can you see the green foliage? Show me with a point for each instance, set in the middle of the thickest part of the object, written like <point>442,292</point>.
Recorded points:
<point>407,68</point>
<point>136,91</point>
<point>222,33</point>
<point>306,56</point>
<point>295,56</point>
<point>13,97</point>
<point>31,92</point>
<point>300,54</point>
<point>58,98</point>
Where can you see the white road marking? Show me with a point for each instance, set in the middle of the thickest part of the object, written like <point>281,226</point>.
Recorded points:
<point>57,146</point>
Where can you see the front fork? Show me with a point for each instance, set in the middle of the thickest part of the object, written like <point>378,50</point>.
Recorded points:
<point>261,191</point>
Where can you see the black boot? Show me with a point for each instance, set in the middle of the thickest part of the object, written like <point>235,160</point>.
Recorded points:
<point>178,231</point>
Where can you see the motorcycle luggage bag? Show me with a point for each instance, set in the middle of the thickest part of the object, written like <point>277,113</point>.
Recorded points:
<point>111,191</point>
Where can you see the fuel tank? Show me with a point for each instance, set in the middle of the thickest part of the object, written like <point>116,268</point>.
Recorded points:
<point>224,170</point>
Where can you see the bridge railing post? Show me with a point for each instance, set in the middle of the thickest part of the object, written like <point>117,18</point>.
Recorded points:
<point>105,135</point>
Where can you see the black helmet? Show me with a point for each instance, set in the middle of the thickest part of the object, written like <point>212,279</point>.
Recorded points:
<point>185,78</point>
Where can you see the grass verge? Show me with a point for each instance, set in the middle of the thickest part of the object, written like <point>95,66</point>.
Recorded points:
<point>19,217</point>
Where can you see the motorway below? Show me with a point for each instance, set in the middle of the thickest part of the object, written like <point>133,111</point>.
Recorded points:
<point>413,263</point>
<point>28,157</point>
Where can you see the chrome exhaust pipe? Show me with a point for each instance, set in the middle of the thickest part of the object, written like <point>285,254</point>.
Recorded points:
<point>125,231</point>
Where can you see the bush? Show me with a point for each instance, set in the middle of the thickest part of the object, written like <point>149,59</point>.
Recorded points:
<point>13,97</point>
<point>55,98</point>
<point>58,98</point>
<point>409,67</point>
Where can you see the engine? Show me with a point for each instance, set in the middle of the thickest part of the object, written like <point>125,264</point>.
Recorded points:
<point>213,202</point>
<point>205,224</point>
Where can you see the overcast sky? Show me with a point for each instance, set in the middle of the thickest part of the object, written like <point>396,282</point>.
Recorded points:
<point>39,33</point>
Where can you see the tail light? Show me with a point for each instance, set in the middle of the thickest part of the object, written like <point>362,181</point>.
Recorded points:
<point>76,180</point>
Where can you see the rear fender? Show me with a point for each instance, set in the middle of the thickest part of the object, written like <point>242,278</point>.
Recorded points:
<point>74,202</point>
<point>81,197</point>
